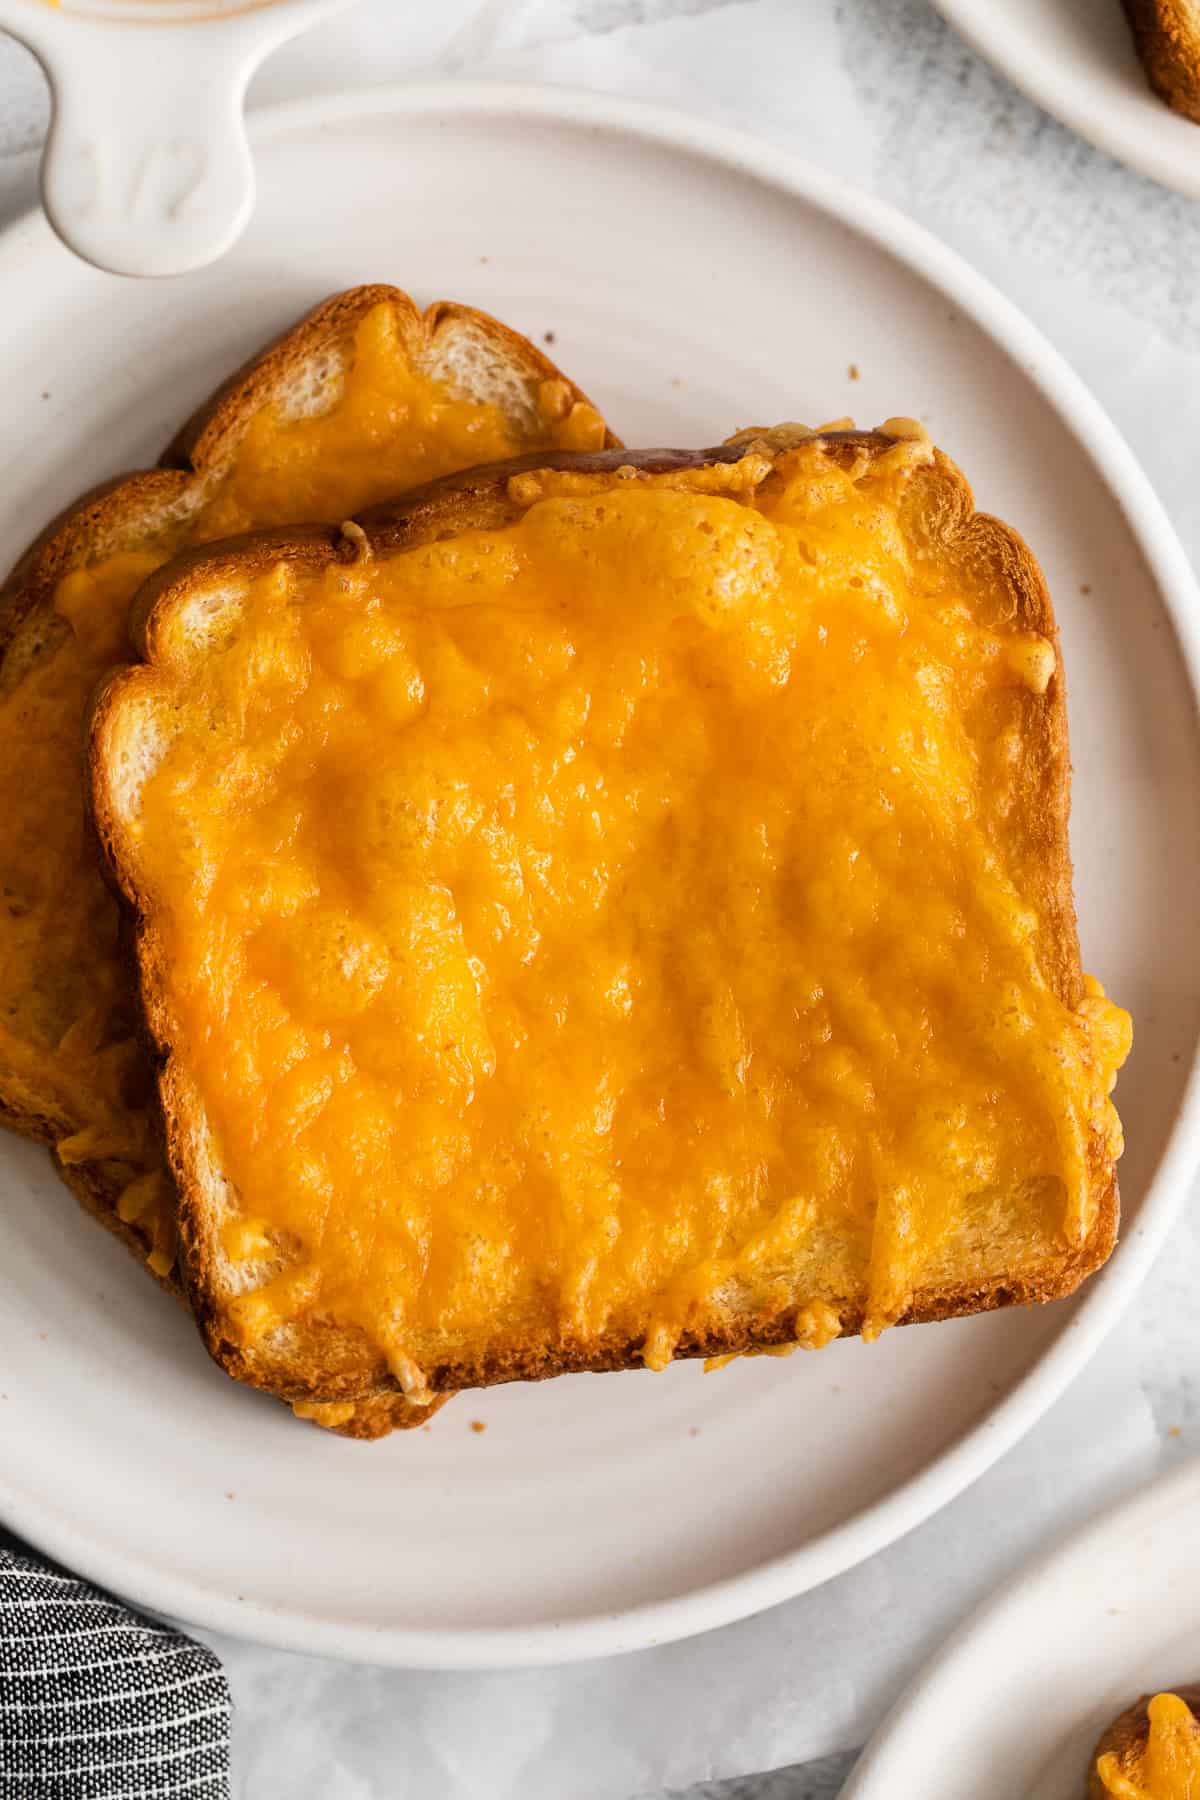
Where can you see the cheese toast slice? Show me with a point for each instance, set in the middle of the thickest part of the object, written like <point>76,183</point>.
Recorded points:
<point>611,908</point>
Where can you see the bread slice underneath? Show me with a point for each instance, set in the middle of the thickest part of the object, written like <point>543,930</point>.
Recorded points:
<point>72,1073</point>
<point>865,1252</point>
<point>1167,35</point>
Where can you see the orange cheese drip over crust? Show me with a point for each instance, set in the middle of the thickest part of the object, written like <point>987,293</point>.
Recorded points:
<point>576,923</point>
<point>1168,1766</point>
<point>65,1024</point>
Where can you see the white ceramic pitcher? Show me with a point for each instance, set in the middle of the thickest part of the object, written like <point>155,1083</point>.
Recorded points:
<point>147,170</point>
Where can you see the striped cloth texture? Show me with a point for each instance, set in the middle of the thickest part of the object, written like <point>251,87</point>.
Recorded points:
<point>97,1703</point>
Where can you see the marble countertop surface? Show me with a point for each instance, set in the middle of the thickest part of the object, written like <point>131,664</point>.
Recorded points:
<point>1105,262</point>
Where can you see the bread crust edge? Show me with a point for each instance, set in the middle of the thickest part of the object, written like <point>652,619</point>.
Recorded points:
<point>1168,44</point>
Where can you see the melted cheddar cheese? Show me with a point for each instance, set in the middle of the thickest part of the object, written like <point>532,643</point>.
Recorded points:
<point>66,1032</point>
<point>392,429</point>
<point>1167,1765</point>
<point>575,926</point>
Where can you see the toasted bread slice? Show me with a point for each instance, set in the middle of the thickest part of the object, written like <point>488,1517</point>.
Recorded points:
<point>1167,35</point>
<point>364,396</point>
<point>1122,1750</point>
<point>845,1106</point>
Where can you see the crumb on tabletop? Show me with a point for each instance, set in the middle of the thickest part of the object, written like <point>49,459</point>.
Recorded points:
<point>477,1425</point>
<point>1085,587</point>
<point>549,336</point>
<point>853,371</point>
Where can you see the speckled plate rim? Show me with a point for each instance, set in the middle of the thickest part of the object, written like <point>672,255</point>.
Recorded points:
<point>1103,95</point>
<point>870,1529</point>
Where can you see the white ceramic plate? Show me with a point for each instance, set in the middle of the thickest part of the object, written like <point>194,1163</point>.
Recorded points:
<point>1016,1700</point>
<point>694,282</point>
<point>1076,58</point>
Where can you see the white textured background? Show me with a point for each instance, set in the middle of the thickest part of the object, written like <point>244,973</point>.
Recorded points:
<point>1106,263</point>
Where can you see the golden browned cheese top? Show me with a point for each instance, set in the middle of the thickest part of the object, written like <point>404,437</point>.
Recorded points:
<point>568,922</point>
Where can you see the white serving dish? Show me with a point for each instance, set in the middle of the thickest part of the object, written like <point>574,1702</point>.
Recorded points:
<point>709,282</point>
<point>1077,59</point>
<point>1019,1695</point>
